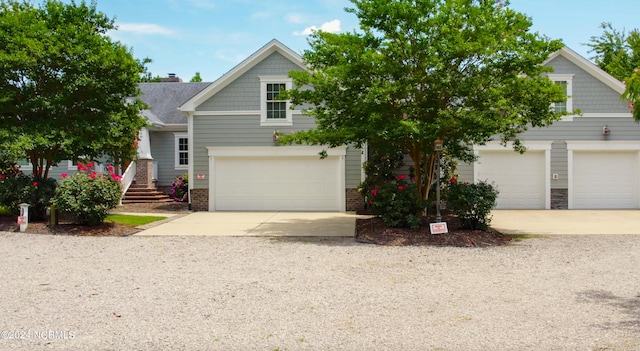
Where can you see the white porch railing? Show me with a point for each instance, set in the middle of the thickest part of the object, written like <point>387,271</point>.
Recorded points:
<point>127,178</point>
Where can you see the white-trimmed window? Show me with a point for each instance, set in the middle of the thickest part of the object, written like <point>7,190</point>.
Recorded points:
<point>565,81</point>
<point>273,110</point>
<point>182,150</point>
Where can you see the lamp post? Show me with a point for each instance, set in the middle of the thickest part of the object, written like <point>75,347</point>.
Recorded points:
<point>438,149</point>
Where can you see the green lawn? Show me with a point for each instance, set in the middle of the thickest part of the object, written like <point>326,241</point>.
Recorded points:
<point>132,220</point>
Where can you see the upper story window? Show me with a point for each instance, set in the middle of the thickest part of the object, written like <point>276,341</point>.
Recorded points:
<point>273,110</point>
<point>565,81</point>
<point>182,151</point>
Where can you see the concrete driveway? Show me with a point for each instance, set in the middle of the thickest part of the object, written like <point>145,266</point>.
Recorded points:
<point>257,224</point>
<point>557,222</point>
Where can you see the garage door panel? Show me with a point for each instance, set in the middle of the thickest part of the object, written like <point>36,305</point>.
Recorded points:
<point>288,183</point>
<point>605,180</point>
<point>520,178</point>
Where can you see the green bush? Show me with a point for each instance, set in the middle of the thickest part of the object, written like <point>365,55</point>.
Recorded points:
<point>17,188</point>
<point>397,202</point>
<point>472,203</point>
<point>88,197</point>
<point>381,166</point>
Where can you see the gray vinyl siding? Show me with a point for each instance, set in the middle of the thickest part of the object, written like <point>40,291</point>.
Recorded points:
<point>465,172</point>
<point>353,171</point>
<point>589,94</point>
<point>163,151</point>
<point>243,94</point>
<point>581,128</point>
<point>245,130</point>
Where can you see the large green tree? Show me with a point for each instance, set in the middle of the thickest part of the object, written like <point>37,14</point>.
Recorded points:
<point>460,70</point>
<point>64,84</point>
<point>618,53</point>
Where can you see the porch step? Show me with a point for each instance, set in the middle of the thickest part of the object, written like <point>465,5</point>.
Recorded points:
<point>143,194</point>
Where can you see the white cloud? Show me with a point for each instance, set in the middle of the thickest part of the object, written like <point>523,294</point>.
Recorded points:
<point>145,29</point>
<point>295,18</point>
<point>331,27</point>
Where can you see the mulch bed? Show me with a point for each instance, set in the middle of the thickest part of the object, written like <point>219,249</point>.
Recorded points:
<point>9,223</point>
<point>369,229</point>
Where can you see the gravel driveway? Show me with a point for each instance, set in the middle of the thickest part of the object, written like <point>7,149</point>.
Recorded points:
<point>247,293</point>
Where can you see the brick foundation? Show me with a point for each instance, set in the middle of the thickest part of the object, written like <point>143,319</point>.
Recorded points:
<point>354,200</point>
<point>144,172</point>
<point>200,199</point>
<point>559,199</point>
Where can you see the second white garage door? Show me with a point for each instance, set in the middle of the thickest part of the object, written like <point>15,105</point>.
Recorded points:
<point>605,180</point>
<point>520,178</point>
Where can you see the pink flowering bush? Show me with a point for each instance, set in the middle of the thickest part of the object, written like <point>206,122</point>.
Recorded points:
<point>396,201</point>
<point>88,195</point>
<point>180,188</point>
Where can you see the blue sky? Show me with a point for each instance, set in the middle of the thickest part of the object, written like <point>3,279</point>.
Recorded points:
<point>212,36</point>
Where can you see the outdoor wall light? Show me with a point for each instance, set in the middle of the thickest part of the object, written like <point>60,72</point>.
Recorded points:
<point>606,131</point>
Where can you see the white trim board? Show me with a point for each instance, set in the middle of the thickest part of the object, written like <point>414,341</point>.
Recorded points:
<point>237,113</point>
<point>244,66</point>
<point>589,67</point>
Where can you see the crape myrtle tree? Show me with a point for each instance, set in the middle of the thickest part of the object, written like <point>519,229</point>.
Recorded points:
<point>64,84</point>
<point>618,53</point>
<point>460,70</point>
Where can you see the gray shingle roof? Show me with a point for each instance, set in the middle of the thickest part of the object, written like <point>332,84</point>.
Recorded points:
<point>165,98</point>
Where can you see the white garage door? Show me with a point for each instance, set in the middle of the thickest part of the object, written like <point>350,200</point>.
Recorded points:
<point>607,179</point>
<point>520,178</point>
<point>269,183</point>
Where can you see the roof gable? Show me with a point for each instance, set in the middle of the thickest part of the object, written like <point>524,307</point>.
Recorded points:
<point>588,67</point>
<point>236,72</point>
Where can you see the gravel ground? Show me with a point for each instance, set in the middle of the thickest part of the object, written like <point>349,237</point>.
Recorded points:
<point>239,293</point>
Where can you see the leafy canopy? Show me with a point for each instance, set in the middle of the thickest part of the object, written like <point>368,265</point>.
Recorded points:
<point>618,53</point>
<point>461,70</point>
<point>64,84</point>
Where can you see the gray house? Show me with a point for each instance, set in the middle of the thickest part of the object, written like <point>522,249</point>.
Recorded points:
<point>586,161</point>
<point>222,134</point>
<point>233,161</point>
<point>162,149</point>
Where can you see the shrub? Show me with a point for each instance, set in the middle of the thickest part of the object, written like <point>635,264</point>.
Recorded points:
<point>17,188</point>
<point>88,197</point>
<point>180,188</point>
<point>397,202</point>
<point>381,166</point>
<point>472,203</point>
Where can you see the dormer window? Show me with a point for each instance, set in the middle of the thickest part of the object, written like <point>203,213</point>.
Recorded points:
<point>273,110</point>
